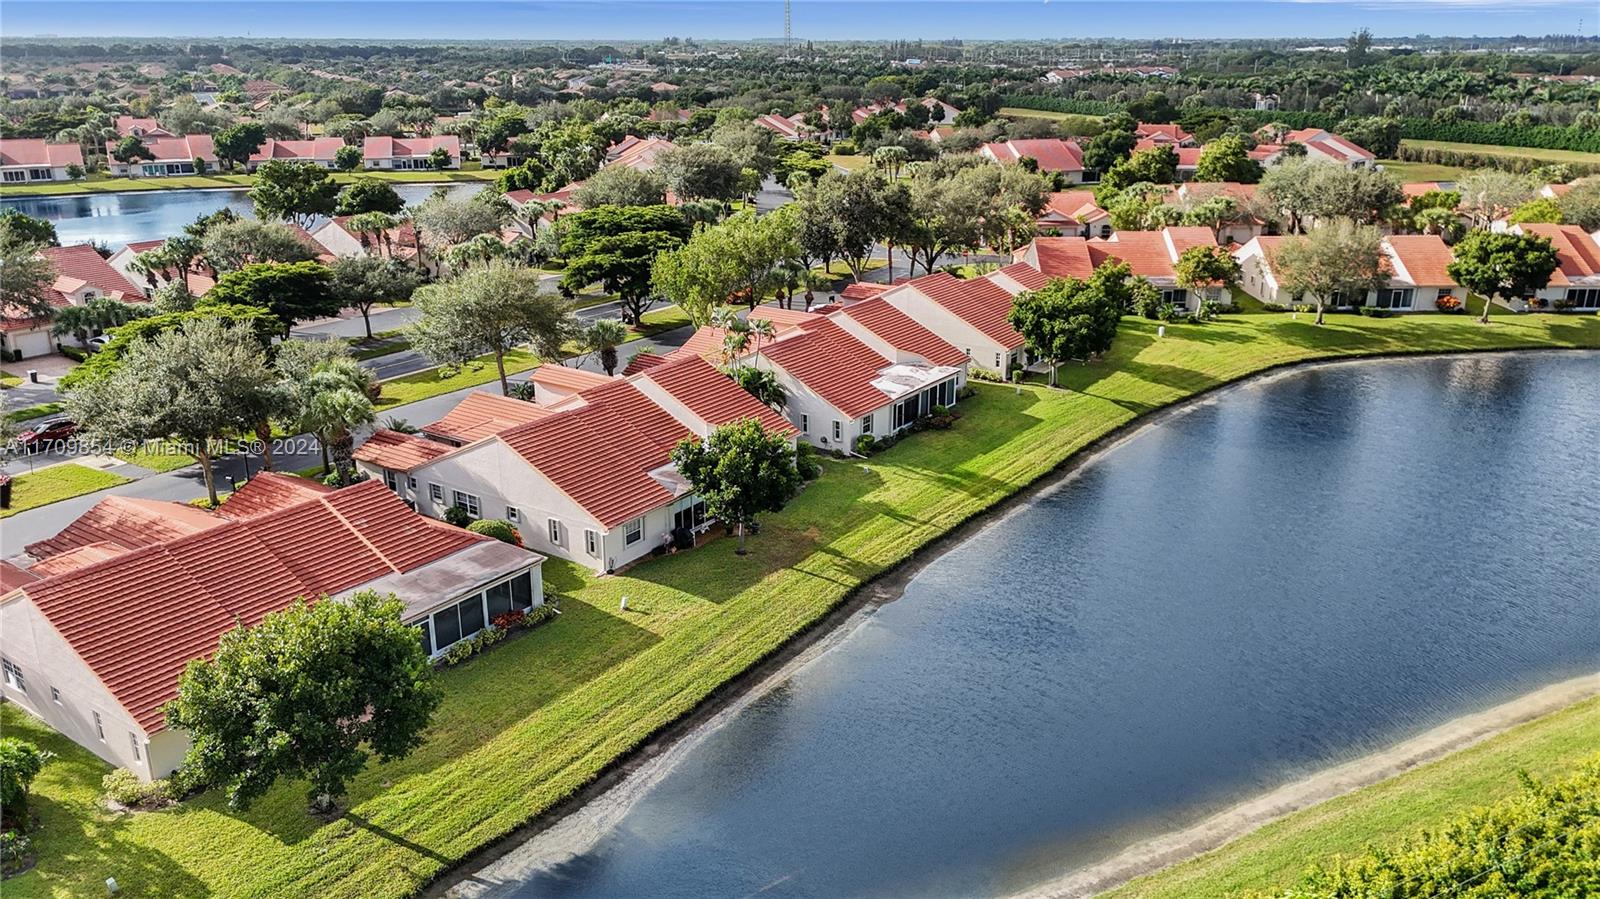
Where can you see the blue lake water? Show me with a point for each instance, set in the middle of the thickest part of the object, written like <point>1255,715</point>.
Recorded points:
<point>121,218</point>
<point>1302,571</point>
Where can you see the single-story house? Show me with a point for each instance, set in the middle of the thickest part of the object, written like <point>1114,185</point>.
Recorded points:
<point>1417,263</point>
<point>134,126</point>
<point>402,242</point>
<point>1188,157</point>
<point>318,151</point>
<point>592,481</point>
<point>199,280</point>
<point>531,219</point>
<point>24,159</point>
<point>1074,213</point>
<point>1321,146</point>
<point>1575,284</point>
<point>637,152</point>
<point>1245,226</point>
<point>165,156</point>
<point>402,153</point>
<point>1150,254</point>
<point>970,314</point>
<point>81,275</point>
<point>1157,134</point>
<point>1052,154</point>
<point>104,687</point>
<point>792,127</point>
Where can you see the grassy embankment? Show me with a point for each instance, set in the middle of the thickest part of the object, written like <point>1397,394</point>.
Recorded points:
<point>526,725</point>
<point>55,483</point>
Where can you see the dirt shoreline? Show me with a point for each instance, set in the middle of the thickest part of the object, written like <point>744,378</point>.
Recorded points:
<point>579,820</point>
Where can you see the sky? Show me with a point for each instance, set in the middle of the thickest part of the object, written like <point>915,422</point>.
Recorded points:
<point>817,19</point>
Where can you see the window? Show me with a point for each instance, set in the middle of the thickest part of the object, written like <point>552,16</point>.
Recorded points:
<point>1584,298</point>
<point>471,611</point>
<point>13,675</point>
<point>511,513</point>
<point>39,174</point>
<point>99,726</point>
<point>499,599</point>
<point>591,543</point>
<point>1176,297</point>
<point>446,627</point>
<point>805,423</point>
<point>998,364</point>
<point>133,740</point>
<point>16,176</point>
<point>633,531</point>
<point>968,351</point>
<point>425,635</point>
<point>555,531</point>
<point>1395,298</point>
<point>522,591</point>
<point>390,481</point>
<point>866,424</point>
<point>55,695</point>
<point>466,501</point>
<point>411,483</point>
<point>436,493</point>
<point>838,430</point>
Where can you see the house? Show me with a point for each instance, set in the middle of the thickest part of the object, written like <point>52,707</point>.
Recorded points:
<point>1575,284</point>
<point>637,152</point>
<point>24,159</point>
<point>1073,212</point>
<point>865,371</point>
<point>1416,262</point>
<point>104,687</point>
<point>792,127</point>
<point>134,126</point>
<point>938,110</point>
<point>198,280</point>
<point>1244,226</point>
<point>81,275</point>
<point>1188,157</point>
<point>165,156</point>
<point>319,151</point>
<point>337,238</point>
<point>970,314</point>
<point>532,213</point>
<point>1052,155</point>
<point>1323,146</point>
<point>1164,135</point>
<point>1263,102</point>
<point>664,87</point>
<point>590,478</point>
<point>1414,189</point>
<point>1149,254</point>
<point>708,343</point>
<point>406,153</point>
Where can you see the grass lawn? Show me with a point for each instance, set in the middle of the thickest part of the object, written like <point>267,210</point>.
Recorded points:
<point>104,185</point>
<point>38,411</point>
<point>9,380</point>
<point>380,347</point>
<point>430,382</point>
<point>56,483</point>
<point>1422,171</point>
<point>1076,123</point>
<point>157,458</point>
<point>1497,150</point>
<point>837,269</point>
<point>850,163</point>
<point>658,320</point>
<point>1549,748</point>
<point>525,725</point>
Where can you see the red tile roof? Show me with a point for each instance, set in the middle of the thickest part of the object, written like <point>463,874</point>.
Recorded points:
<point>35,151</point>
<point>902,332</point>
<point>127,124</point>
<point>182,148</point>
<point>269,491</point>
<point>1576,251</point>
<point>1329,143</point>
<point>862,290</point>
<point>482,414</point>
<point>1414,189</point>
<point>1076,205</point>
<point>1062,257</point>
<point>707,340</point>
<point>979,302</point>
<point>571,380</point>
<point>80,261</point>
<point>381,147</point>
<point>834,365</point>
<point>126,521</point>
<point>12,577</point>
<point>172,602</point>
<point>399,452</point>
<point>316,148</point>
<point>645,361</point>
<point>1021,272</point>
<point>80,557</point>
<point>1162,133</point>
<point>712,395</point>
<point>1150,254</point>
<point>1424,257</point>
<point>1053,154</point>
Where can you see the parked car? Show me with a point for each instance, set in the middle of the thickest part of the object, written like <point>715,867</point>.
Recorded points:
<point>99,343</point>
<point>38,438</point>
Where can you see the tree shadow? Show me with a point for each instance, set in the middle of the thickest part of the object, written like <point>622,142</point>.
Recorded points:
<point>98,850</point>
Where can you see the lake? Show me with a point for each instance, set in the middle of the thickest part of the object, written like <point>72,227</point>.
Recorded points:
<point>121,218</point>
<point>1301,571</point>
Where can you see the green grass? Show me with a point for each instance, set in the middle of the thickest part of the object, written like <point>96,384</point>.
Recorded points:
<point>430,383</point>
<point>1273,857</point>
<point>1422,171</point>
<point>56,483</point>
<point>1538,153</point>
<point>382,347</point>
<point>524,726</point>
<point>9,380</point>
<point>38,411</point>
<point>1474,306</point>
<point>157,458</point>
<point>850,163</point>
<point>837,269</point>
<point>104,185</point>
<point>658,321</point>
<point>1076,123</point>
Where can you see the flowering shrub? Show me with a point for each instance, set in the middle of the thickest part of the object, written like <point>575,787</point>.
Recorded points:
<point>1448,304</point>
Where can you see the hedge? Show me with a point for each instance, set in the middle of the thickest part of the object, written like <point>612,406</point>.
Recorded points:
<point>1472,159</point>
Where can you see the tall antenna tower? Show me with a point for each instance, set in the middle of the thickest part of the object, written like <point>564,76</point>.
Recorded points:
<point>788,30</point>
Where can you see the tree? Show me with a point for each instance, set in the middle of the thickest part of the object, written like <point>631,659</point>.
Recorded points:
<point>235,143</point>
<point>696,276</point>
<point>332,403</point>
<point>27,282</point>
<point>1200,268</point>
<point>96,315</point>
<point>19,228</point>
<point>1541,209</point>
<point>1490,194</point>
<point>347,158</point>
<point>1581,205</point>
<point>740,471</point>
<point>602,337</point>
<point>230,246</point>
<point>20,763</point>
<point>891,159</point>
<point>1502,265</point>
<point>1339,259</point>
<point>1111,145</point>
<point>130,149</point>
<point>296,192</point>
<point>618,246</point>
<point>619,185</point>
<point>291,291</point>
<point>361,282</point>
<point>701,171</point>
<point>488,310</point>
<point>863,208</point>
<point>369,195</point>
<point>1227,159</point>
<point>1071,319</point>
<point>308,694</point>
<point>763,384</point>
<point>193,384</point>
<point>1155,165</point>
<point>444,221</point>
<point>1154,106</point>
<point>1379,134</point>
<point>439,159</point>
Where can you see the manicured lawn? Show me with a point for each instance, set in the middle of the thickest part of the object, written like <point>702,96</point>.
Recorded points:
<point>38,411</point>
<point>837,269</point>
<point>1422,171</point>
<point>1549,748</point>
<point>423,384</point>
<point>180,182</point>
<point>658,320</point>
<point>1076,123</point>
<point>527,724</point>
<point>1498,150</point>
<point>56,483</point>
<point>850,163</point>
<point>379,347</point>
<point>157,458</point>
<point>9,380</point>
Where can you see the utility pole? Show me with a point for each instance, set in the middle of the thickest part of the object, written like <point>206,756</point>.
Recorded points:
<point>788,30</point>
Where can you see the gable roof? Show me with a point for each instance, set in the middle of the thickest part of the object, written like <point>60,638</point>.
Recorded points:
<point>1053,154</point>
<point>175,148</point>
<point>398,452</point>
<point>1061,257</point>
<point>126,521</point>
<point>81,262</point>
<point>481,414</point>
<point>711,395</point>
<point>173,601</point>
<point>316,148</point>
<point>1024,275</point>
<point>267,492</point>
<point>640,153</point>
<point>834,365</point>
<point>1162,133</point>
<point>902,332</point>
<point>1422,257</point>
<point>979,302</point>
<point>35,151</point>
<point>707,340</point>
<point>1329,144</point>
<point>1576,251</point>
<point>383,147</point>
<point>1150,254</point>
<point>561,377</point>
<point>1077,206</point>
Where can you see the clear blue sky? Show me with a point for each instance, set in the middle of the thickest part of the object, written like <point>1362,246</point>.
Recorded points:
<point>819,19</point>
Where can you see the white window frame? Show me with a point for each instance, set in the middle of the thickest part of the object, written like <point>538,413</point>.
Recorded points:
<point>511,513</point>
<point>467,501</point>
<point>55,696</point>
<point>591,542</point>
<point>866,423</point>
<point>14,677</point>
<point>133,740</point>
<point>553,529</point>
<point>633,532</point>
<point>838,430</point>
<point>805,423</point>
<point>99,726</point>
<point>436,493</point>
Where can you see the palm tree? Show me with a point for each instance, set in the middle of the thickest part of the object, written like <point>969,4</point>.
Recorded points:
<point>335,401</point>
<point>152,264</point>
<point>603,336</point>
<point>761,329</point>
<point>891,159</point>
<point>373,224</point>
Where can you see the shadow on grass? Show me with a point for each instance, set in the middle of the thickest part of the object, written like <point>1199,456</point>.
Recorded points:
<point>395,838</point>
<point>98,851</point>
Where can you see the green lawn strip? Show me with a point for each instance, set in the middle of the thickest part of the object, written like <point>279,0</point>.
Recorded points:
<point>1385,813</point>
<point>1474,306</point>
<point>1422,171</point>
<point>850,163</point>
<point>9,380</point>
<point>38,411</point>
<point>1538,153</point>
<point>430,382</point>
<point>157,458</point>
<point>58,482</point>
<point>382,347</point>
<point>527,724</point>
<point>231,182</point>
<point>658,321</point>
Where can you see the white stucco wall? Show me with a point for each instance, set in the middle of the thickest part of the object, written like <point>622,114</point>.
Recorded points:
<point>979,347</point>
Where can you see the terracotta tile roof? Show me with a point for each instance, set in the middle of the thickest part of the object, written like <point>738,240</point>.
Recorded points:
<point>1332,144</point>
<point>269,491</point>
<point>316,148</point>
<point>1162,133</point>
<point>1576,251</point>
<point>1024,274</point>
<point>126,521</point>
<point>902,332</point>
<point>481,414</point>
<point>80,557</point>
<point>1075,205</point>
<point>712,395</point>
<point>1414,189</point>
<point>706,341</point>
<point>80,261</point>
<point>572,380</point>
<point>381,147</point>
<point>979,302</point>
<point>180,148</point>
<point>1199,191</point>
<point>645,361</point>
<point>1150,254</point>
<point>399,452</point>
<point>127,124</point>
<point>862,290</point>
<point>1062,257</point>
<point>833,364</point>
<point>600,453</point>
<point>640,154</point>
<point>1053,154</point>
<point>35,151</point>
<point>1423,257</point>
<point>174,600</point>
<point>1188,157</point>
<point>12,577</point>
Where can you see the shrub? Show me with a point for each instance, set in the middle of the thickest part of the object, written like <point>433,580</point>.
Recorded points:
<point>1373,312</point>
<point>15,847</point>
<point>845,148</point>
<point>458,516</point>
<point>864,444</point>
<point>498,528</point>
<point>1449,304</point>
<point>509,620</point>
<point>125,788</point>
<point>979,373</point>
<point>71,352</point>
<point>805,461</point>
<point>20,763</point>
<point>1170,312</point>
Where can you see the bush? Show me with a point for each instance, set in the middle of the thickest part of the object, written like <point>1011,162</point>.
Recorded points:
<point>1449,304</point>
<point>20,763</point>
<point>979,373</point>
<point>76,354</point>
<point>1374,312</point>
<point>458,516</point>
<point>334,479</point>
<point>1170,312</point>
<point>864,444</point>
<point>805,461</point>
<point>845,148</point>
<point>498,528</point>
<point>126,789</point>
<point>15,847</point>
